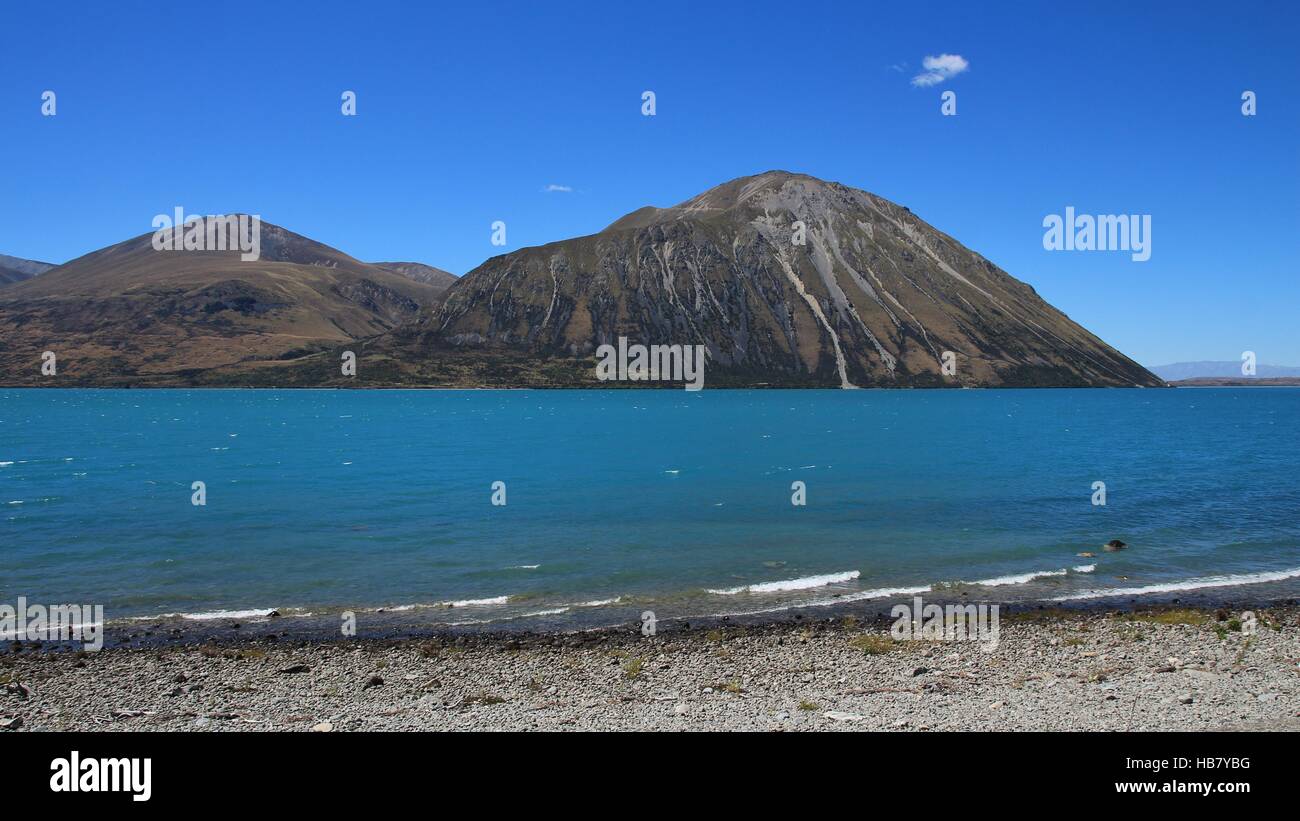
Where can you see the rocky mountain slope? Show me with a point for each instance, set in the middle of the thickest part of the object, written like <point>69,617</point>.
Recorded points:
<point>130,314</point>
<point>873,296</point>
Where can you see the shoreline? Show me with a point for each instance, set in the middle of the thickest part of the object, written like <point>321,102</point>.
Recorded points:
<point>1164,667</point>
<point>599,386</point>
<point>323,623</point>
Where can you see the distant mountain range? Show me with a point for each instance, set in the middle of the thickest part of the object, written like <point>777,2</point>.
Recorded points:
<point>1218,370</point>
<point>786,279</point>
<point>420,272</point>
<point>14,269</point>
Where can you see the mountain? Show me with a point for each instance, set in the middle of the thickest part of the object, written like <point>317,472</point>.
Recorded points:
<point>14,269</point>
<point>1238,382</point>
<point>1218,370</point>
<point>420,272</point>
<point>874,297</point>
<point>130,314</point>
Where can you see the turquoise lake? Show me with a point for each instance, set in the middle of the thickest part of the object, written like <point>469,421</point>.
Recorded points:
<point>319,500</point>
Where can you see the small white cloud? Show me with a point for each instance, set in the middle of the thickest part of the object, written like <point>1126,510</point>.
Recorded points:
<point>553,188</point>
<point>938,69</point>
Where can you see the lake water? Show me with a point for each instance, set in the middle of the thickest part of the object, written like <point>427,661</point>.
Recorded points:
<point>674,501</point>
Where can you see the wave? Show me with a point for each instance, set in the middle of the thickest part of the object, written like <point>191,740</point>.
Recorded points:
<point>221,614</point>
<point>1025,578</point>
<point>805,583</point>
<point>476,602</point>
<point>882,592</point>
<point>550,612</point>
<point>1020,578</point>
<point>878,593</point>
<point>400,608</point>
<point>1187,584</point>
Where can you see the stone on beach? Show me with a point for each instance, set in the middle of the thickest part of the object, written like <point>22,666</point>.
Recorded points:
<point>1052,670</point>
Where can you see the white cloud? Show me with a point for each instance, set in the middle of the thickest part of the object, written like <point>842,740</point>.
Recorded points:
<point>553,188</point>
<point>938,69</point>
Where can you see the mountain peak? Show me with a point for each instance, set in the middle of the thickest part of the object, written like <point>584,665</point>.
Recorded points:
<point>769,190</point>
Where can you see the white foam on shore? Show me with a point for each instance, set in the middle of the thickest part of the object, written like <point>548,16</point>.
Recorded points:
<point>1021,578</point>
<point>805,583</point>
<point>548,612</point>
<point>878,593</point>
<point>477,602</point>
<point>554,611</point>
<point>223,614</point>
<point>399,608</point>
<point>862,595</point>
<point>1187,584</point>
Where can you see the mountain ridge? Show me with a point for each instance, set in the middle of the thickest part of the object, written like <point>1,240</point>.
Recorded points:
<point>786,280</point>
<point>131,314</point>
<point>1213,369</point>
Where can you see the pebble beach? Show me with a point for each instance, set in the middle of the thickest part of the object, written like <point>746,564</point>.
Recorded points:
<point>1157,669</point>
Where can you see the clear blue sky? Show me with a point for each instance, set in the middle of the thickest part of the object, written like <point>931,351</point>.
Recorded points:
<point>467,112</point>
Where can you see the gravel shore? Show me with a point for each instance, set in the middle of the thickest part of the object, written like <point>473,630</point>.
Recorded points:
<point>1168,669</point>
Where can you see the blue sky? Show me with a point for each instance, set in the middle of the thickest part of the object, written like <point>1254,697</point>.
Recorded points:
<point>467,113</point>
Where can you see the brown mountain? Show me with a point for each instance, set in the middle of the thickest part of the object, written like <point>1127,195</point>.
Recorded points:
<point>129,314</point>
<point>420,272</point>
<point>16,269</point>
<point>874,296</point>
